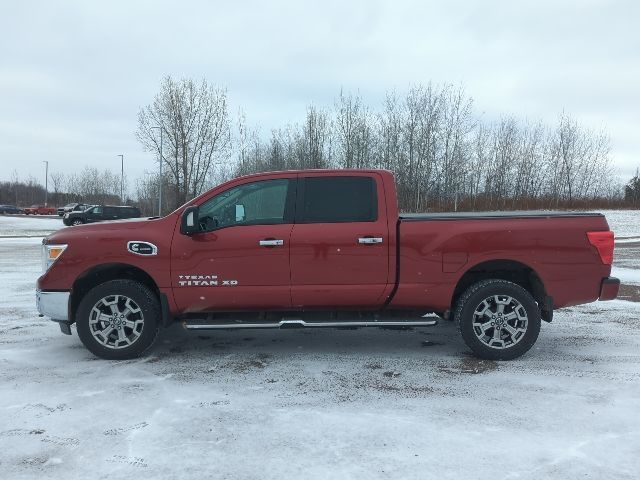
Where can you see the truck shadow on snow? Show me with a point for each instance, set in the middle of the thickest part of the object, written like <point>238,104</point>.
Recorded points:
<point>336,364</point>
<point>443,339</point>
<point>380,351</point>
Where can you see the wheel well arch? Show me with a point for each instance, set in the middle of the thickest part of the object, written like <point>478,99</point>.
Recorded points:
<point>103,273</point>
<point>512,271</point>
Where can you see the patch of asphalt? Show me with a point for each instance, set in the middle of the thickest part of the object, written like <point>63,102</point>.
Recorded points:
<point>630,293</point>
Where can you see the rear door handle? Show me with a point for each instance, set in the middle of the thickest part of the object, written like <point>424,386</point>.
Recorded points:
<point>369,240</point>
<point>271,242</point>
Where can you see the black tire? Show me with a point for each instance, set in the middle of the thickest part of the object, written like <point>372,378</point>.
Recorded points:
<point>474,297</point>
<point>149,307</point>
<point>77,221</point>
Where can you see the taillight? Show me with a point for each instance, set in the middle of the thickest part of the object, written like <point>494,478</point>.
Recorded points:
<point>603,241</point>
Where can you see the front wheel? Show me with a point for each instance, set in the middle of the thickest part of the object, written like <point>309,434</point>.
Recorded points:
<point>498,320</point>
<point>118,319</point>
<point>77,222</point>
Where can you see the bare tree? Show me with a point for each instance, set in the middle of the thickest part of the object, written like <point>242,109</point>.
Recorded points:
<point>195,124</point>
<point>315,133</point>
<point>352,131</point>
<point>57,181</point>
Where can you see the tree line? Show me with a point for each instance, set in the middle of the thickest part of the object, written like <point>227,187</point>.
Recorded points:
<point>445,155</point>
<point>89,185</point>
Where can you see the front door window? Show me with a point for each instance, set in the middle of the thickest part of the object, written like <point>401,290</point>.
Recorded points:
<point>257,203</point>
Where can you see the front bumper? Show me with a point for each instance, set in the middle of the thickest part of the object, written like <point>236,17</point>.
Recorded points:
<point>609,288</point>
<point>53,304</point>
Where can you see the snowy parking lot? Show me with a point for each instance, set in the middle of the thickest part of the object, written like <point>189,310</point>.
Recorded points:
<point>341,404</point>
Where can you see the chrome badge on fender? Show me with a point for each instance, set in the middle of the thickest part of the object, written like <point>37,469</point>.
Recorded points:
<point>142,248</point>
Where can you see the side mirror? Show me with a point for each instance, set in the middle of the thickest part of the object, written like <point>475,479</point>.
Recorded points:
<point>189,223</point>
<point>240,213</point>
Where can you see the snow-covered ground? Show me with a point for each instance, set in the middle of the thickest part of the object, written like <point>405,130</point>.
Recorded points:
<point>39,225</point>
<point>317,404</point>
<point>625,223</point>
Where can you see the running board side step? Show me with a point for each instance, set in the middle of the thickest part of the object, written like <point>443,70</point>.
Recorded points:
<point>202,325</point>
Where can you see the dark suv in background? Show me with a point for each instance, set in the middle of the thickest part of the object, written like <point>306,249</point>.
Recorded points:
<point>10,209</point>
<point>100,213</point>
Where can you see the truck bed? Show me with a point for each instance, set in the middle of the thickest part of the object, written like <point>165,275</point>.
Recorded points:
<point>434,252</point>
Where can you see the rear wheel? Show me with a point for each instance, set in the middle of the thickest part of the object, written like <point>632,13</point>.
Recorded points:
<point>118,319</point>
<point>498,320</point>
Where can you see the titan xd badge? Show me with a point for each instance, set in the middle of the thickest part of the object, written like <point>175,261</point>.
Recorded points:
<point>204,281</point>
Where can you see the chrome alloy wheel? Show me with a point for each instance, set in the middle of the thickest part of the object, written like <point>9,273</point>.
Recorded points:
<point>500,321</point>
<point>116,321</point>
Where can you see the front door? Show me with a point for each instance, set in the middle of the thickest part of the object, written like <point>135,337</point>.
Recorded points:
<point>94,214</point>
<point>340,242</point>
<point>240,258</point>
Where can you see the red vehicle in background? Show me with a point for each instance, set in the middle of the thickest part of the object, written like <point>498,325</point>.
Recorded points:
<point>39,210</point>
<point>322,248</point>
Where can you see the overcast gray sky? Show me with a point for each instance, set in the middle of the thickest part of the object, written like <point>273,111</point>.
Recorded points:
<point>73,75</point>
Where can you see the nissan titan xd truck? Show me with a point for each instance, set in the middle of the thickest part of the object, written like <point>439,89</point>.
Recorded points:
<point>322,248</point>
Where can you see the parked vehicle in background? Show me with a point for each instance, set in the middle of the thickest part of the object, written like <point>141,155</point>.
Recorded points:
<point>100,213</point>
<point>322,248</point>
<point>72,207</point>
<point>39,210</point>
<point>10,209</point>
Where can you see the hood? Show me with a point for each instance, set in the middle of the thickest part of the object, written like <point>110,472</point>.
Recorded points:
<point>143,227</point>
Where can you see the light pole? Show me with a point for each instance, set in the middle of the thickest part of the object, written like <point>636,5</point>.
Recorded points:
<point>160,180</point>
<point>121,178</point>
<point>46,182</point>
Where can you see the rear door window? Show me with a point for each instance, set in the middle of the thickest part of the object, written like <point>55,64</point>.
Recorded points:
<point>337,199</point>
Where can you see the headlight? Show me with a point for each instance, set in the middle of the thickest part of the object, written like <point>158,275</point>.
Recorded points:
<point>50,253</point>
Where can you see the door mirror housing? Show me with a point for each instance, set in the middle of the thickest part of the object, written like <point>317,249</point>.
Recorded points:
<point>189,222</point>
<point>240,213</point>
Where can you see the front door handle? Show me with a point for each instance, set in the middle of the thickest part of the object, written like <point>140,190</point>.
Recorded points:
<point>369,240</point>
<point>271,242</point>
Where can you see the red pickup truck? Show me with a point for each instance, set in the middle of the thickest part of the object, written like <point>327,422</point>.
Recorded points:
<point>39,210</point>
<point>324,248</point>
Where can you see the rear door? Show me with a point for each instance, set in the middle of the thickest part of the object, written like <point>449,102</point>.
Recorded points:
<point>124,212</point>
<point>340,241</point>
<point>240,258</point>
<point>111,213</point>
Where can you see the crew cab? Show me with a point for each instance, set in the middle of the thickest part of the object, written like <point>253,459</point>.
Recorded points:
<point>322,248</point>
<point>99,213</point>
<point>39,210</point>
